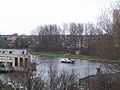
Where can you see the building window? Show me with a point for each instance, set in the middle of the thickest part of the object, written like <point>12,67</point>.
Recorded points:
<point>25,62</point>
<point>21,62</point>
<point>23,52</point>
<point>16,62</point>
<point>10,52</point>
<point>9,64</point>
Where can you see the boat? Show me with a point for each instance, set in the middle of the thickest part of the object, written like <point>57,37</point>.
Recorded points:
<point>67,60</point>
<point>13,59</point>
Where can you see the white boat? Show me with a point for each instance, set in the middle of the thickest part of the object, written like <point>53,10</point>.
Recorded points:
<point>67,60</point>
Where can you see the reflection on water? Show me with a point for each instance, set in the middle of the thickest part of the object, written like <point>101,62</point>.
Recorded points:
<point>80,67</point>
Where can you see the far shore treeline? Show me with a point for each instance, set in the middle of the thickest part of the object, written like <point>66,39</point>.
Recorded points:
<point>101,39</point>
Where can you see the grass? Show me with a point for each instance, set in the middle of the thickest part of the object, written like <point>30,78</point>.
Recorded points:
<point>74,56</point>
<point>62,54</point>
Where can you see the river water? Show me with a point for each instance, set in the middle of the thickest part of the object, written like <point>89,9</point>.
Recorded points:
<point>80,67</point>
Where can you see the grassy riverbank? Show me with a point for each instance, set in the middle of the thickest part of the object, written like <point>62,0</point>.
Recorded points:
<point>62,54</point>
<point>68,55</point>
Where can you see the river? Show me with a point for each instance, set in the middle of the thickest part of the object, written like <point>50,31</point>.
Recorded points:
<point>82,68</point>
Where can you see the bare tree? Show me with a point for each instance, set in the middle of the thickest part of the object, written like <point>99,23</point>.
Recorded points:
<point>61,81</point>
<point>76,31</point>
<point>105,22</point>
<point>28,79</point>
<point>48,38</point>
<point>35,31</point>
<point>80,36</point>
<point>63,36</point>
<point>89,30</point>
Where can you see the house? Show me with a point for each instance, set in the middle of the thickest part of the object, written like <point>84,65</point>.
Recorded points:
<point>13,59</point>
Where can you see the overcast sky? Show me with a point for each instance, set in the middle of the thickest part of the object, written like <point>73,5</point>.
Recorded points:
<point>22,16</point>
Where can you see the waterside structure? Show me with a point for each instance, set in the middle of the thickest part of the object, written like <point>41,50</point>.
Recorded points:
<point>13,59</point>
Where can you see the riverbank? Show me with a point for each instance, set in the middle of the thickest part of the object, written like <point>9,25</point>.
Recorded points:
<point>74,56</point>
<point>62,54</point>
